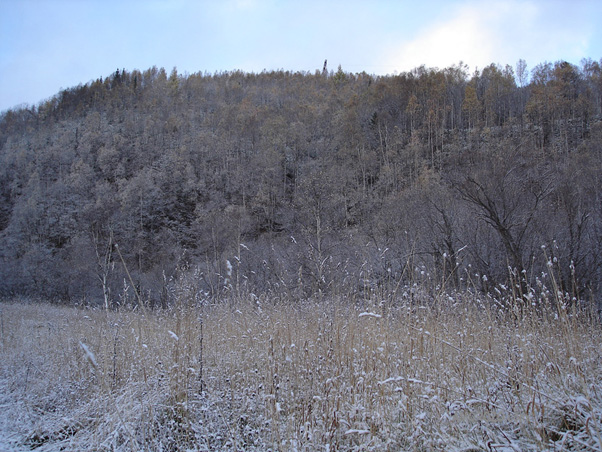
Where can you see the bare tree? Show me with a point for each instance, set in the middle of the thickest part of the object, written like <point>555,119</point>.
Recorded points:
<point>507,192</point>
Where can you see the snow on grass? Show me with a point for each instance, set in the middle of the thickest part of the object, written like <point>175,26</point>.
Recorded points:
<point>370,314</point>
<point>450,375</point>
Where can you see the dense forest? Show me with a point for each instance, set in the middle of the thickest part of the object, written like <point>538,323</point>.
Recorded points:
<point>304,184</point>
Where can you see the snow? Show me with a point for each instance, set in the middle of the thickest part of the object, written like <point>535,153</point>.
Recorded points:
<point>370,314</point>
<point>79,379</point>
<point>89,354</point>
<point>358,432</point>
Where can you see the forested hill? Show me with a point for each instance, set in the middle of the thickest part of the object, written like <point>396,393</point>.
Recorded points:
<point>306,183</point>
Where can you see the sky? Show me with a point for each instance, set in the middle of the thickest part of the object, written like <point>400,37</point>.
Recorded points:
<point>49,45</point>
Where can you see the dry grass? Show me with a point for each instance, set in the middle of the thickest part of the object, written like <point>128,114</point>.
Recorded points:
<point>453,374</point>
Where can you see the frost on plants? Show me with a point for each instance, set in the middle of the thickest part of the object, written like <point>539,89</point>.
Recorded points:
<point>328,374</point>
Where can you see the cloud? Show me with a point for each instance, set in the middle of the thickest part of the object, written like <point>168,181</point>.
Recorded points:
<point>480,33</point>
<point>469,35</point>
<point>464,37</point>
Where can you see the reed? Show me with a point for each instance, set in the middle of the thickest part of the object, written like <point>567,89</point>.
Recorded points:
<point>460,371</point>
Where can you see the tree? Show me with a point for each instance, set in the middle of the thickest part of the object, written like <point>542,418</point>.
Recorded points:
<point>507,191</point>
<point>539,106</point>
<point>471,105</point>
<point>522,75</point>
<point>522,78</point>
<point>368,174</point>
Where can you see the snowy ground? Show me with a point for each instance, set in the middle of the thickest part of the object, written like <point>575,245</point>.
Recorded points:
<point>454,375</point>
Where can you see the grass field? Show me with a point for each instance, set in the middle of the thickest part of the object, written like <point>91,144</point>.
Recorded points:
<point>450,373</point>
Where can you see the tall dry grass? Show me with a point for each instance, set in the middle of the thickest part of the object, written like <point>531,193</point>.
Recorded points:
<point>454,372</point>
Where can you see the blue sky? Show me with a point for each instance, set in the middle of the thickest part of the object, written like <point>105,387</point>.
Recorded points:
<point>47,45</point>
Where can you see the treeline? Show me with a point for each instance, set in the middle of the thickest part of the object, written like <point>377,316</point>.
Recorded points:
<point>306,183</point>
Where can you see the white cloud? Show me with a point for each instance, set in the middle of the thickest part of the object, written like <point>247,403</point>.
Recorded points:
<point>463,37</point>
<point>480,33</point>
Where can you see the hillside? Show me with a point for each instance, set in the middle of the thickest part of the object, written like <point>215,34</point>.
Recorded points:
<point>303,184</point>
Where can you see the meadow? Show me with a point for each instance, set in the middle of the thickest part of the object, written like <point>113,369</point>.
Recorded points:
<point>449,371</point>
